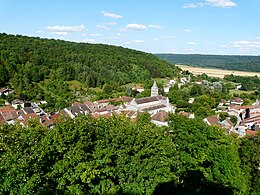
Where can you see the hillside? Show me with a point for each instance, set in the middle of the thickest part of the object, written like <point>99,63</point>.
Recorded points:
<point>229,62</point>
<point>35,59</point>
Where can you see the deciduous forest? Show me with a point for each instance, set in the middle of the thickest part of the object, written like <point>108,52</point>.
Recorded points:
<point>116,156</point>
<point>229,62</point>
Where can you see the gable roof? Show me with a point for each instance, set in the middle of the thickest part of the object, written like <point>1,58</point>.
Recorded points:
<point>161,116</point>
<point>250,132</point>
<point>213,120</point>
<point>146,100</point>
<point>2,120</point>
<point>155,107</point>
<point>7,109</point>
<point>28,110</point>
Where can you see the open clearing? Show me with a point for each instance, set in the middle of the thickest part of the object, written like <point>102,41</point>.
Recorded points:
<point>213,72</point>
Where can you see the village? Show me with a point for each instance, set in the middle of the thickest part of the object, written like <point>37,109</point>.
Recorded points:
<point>158,106</point>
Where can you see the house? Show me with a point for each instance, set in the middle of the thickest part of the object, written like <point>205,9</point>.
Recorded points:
<point>160,118</point>
<point>223,103</point>
<point>257,103</point>
<point>4,91</point>
<point>138,89</point>
<point>251,133</point>
<point>172,82</point>
<point>252,122</point>
<point>212,120</point>
<point>74,111</point>
<point>237,101</point>
<point>238,87</point>
<point>167,88</point>
<point>28,110</point>
<point>191,100</point>
<point>227,124</point>
<point>17,104</point>
<point>187,114</point>
<point>2,120</point>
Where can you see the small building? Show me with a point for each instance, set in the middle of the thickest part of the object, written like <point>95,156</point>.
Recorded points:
<point>138,89</point>
<point>160,118</point>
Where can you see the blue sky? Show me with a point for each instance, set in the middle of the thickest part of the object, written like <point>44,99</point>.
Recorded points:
<point>155,26</point>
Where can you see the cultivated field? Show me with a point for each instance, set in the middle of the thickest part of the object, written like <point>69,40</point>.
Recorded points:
<point>216,72</point>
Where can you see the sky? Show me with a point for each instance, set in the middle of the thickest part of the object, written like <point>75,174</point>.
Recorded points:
<point>226,27</point>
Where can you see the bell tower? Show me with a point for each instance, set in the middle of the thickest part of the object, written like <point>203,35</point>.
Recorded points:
<point>154,90</point>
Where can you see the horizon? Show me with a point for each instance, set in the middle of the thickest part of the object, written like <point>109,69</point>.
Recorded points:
<point>204,27</point>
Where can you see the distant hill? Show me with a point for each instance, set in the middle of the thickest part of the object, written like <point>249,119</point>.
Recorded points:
<point>229,62</point>
<point>26,60</point>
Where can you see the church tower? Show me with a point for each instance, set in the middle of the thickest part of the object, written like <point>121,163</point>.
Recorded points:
<point>154,90</point>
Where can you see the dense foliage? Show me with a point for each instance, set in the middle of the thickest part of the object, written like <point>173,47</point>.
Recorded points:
<point>229,62</point>
<point>250,157</point>
<point>27,61</point>
<point>248,83</point>
<point>116,156</point>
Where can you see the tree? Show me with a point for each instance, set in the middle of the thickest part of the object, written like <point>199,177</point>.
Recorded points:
<point>208,152</point>
<point>223,116</point>
<point>233,119</point>
<point>196,90</point>
<point>250,157</point>
<point>86,156</point>
<point>3,75</point>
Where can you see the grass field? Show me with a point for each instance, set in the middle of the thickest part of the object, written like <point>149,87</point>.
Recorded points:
<point>213,72</point>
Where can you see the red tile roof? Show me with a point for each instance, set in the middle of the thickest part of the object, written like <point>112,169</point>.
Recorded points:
<point>250,132</point>
<point>160,116</point>
<point>213,120</point>
<point>7,109</point>
<point>2,120</point>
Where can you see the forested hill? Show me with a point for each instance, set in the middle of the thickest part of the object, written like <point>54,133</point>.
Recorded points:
<point>230,62</point>
<point>31,59</point>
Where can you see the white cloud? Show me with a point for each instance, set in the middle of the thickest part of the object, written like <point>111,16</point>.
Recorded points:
<point>135,27</point>
<point>191,43</point>
<point>187,30</point>
<point>154,26</point>
<point>221,3</point>
<point>102,26</point>
<point>105,26</point>
<point>127,43</point>
<point>57,28</point>
<point>224,46</point>
<point>140,27</point>
<point>111,15</point>
<point>156,39</point>
<point>247,46</point>
<point>193,5</point>
<point>65,30</point>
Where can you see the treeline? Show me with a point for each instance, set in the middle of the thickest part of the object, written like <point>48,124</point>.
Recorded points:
<point>27,60</point>
<point>116,156</point>
<point>247,83</point>
<point>229,62</point>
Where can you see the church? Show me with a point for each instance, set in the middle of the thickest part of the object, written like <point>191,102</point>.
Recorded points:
<point>152,104</point>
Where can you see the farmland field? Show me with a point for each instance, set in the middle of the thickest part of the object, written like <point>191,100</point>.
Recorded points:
<point>213,72</point>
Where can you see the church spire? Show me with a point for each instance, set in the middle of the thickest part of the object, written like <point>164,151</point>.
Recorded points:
<point>154,90</point>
